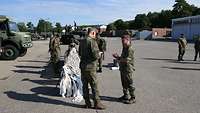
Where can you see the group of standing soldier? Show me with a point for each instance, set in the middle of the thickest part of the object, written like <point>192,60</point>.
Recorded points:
<point>182,44</point>
<point>91,52</point>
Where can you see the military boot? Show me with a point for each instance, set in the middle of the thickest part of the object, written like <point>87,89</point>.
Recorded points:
<point>87,104</point>
<point>98,105</point>
<point>122,98</point>
<point>130,101</point>
<point>99,70</point>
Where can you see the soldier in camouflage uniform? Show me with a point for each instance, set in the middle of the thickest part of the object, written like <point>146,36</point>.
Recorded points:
<point>89,54</point>
<point>197,48</point>
<point>54,49</point>
<point>0,45</point>
<point>127,68</point>
<point>102,48</point>
<point>182,43</point>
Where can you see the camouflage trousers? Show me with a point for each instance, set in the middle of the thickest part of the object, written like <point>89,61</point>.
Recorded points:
<point>55,61</point>
<point>181,53</point>
<point>197,52</point>
<point>127,83</point>
<point>89,78</point>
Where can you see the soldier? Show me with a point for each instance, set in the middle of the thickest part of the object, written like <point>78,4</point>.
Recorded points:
<point>197,48</point>
<point>0,45</point>
<point>54,49</point>
<point>102,48</point>
<point>126,63</point>
<point>89,54</point>
<point>182,43</point>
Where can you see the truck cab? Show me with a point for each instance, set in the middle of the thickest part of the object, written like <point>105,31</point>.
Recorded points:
<point>13,42</point>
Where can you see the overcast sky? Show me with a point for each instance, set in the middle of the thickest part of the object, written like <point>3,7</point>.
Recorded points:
<point>82,11</point>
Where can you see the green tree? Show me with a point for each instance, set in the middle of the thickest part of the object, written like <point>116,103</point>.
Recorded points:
<point>22,27</point>
<point>181,9</point>
<point>58,28</point>
<point>44,26</point>
<point>120,24</point>
<point>30,26</point>
<point>111,27</point>
<point>142,21</point>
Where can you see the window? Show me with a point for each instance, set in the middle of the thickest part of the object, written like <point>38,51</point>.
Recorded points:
<point>2,27</point>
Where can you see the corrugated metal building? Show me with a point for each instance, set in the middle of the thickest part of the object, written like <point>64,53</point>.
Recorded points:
<point>189,26</point>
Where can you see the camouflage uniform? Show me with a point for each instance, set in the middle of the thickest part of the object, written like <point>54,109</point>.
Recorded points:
<point>102,48</point>
<point>182,43</point>
<point>197,48</point>
<point>0,45</point>
<point>89,53</point>
<point>127,70</point>
<point>54,49</point>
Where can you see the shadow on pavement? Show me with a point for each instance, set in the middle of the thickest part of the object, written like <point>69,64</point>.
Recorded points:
<point>38,99</point>
<point>46,72</point>
<point>180,68</point>
<point>110,99</point>
<point>109,65</point>
<point>172,60</point>
<point>45,90</point>
<point>35,67</point>
<point>33,61</point>
<point>43,82</point>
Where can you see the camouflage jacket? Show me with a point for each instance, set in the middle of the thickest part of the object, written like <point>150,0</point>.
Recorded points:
<point>89,54</point>
<point>182,42</point>
<point>54,44</point>
<point>101,44</point>
<point>127,60</point>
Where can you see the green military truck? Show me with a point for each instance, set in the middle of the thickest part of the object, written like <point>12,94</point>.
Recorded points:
<point>13,42</point>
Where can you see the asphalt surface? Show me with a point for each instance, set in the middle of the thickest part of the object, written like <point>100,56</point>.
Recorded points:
<point>163,85</point>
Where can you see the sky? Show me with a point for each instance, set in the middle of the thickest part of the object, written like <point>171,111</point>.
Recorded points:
<point>81,11</point>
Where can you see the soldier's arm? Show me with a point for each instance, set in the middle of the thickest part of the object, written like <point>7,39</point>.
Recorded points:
<point>129,58</point>
<point>95,50</point>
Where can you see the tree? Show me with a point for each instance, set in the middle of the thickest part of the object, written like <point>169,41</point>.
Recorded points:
<point>22,27</point>
<point>154,19</point>
<point>58,28</point>
<point>142,21</point>
<point>196,11</point>
<point>111,27</point>
<point>44,26</point>
<point>181,9</point>
<point>30,27</point>
<point>120,24</point>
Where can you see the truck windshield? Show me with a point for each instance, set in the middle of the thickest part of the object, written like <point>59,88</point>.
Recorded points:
<point>13,27</point>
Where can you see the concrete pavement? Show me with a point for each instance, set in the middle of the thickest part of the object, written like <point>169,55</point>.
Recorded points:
<point>163,85</point>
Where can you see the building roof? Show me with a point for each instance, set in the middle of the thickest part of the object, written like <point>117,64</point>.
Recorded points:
<point>186,18</point>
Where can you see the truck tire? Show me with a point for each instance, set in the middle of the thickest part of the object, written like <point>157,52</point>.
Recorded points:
<point>23,52</point>
<point>10,52</point>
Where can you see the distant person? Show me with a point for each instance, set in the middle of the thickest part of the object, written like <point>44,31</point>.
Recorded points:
<point>102,48</point>
<point>1,50</point>
<point>127,68</point>
<point>182,44</point>
<point>89,54</point>
<point>197,48</point>
<point>54,49</point>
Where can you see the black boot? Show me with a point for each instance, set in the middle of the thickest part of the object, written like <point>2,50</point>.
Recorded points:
<point>98,105</point>
<point>123,98</point>
<point>130,101</point>
<point>100,70</point>
<point>87,104</point>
